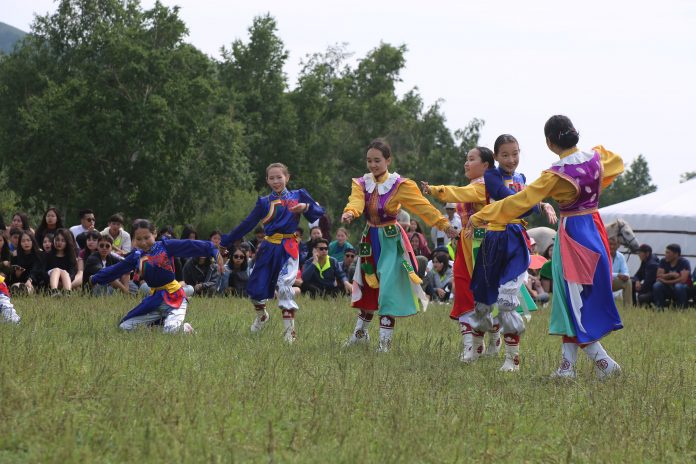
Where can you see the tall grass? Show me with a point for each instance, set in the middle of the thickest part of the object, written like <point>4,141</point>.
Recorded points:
<point>76,389</point>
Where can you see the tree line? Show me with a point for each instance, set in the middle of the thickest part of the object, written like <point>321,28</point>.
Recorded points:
<point>104,105</point>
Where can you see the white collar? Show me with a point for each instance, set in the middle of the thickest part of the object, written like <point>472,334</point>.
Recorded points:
<point>384,187</point>
<point>577,157</point>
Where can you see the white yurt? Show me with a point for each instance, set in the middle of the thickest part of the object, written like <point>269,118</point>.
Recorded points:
<point>660,218</point>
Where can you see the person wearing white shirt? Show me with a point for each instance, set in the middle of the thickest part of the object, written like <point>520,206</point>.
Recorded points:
<point>455,222</point>
<point>121,238</point>
<point>619,270</point>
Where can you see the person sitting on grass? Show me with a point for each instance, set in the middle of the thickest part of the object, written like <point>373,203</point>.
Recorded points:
<point>322,275</point>
<point>97,261</point>
<point>339,246</point>
<point>61,263</point>
<point>673,278</point>
<point>202,275</point>
<point>439,280</point>
<point>28,266</point>
<point>646,276</point>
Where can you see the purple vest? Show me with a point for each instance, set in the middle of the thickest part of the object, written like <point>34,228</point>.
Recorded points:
<point>586,177</point>
<point>374,203</point>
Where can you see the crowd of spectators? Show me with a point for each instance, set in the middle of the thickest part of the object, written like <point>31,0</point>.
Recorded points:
<point>59,261</point>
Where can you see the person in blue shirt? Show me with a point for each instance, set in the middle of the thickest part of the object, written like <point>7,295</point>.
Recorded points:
<point>277,257</point>
<point>154,262</point>
<point>323,275</point>
<point>621,279</point>
<point>673,278</point>
<point>339,246</point>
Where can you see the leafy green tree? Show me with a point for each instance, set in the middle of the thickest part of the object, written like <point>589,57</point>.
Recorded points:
<point>687,176</point>
<point>252,74</point>
<point>104,105</point>
<point>633,183</point>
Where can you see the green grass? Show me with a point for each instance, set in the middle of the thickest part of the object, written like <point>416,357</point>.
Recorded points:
<point>76,389</point>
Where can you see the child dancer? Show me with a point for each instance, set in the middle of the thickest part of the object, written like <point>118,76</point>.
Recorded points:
<point>277,257</point>
<point>154,262</point>
<point>503,259</point>
<point>386,257</point>
<point>473,196</point>
<point>7,310</point>
<point>583,308</point>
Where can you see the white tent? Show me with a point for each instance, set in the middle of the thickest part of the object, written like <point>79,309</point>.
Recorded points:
<point>660,218</point>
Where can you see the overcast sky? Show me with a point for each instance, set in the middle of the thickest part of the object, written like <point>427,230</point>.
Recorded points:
<point>623,71</point>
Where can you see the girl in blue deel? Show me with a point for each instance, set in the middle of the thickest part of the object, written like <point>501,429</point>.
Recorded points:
<point>277,256</point>
<point>154,262</point>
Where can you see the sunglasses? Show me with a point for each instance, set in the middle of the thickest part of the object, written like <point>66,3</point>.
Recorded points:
<point>90,219</point>
<point>238,256</point>
<point>322,248</point>
<point>104,245</point>
<point>349,255</point>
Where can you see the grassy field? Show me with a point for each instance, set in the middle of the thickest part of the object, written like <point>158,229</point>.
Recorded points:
<point>76,389</point>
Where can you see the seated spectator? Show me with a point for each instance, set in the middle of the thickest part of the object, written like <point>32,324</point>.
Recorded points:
<point>238,267</point>
<point>324,224</point>
<point>5,254</point>
<point>619,270</point>
<point>339,246</point>
<point>673,278</point>
<point>61,263</point>
<point>20,220</point>
<point>259,236</point>
<point>91,243</point>
<point>439,280</point>
<point>87,222</point>
<point>419,244</point>
<point>299,232</point>
<point>99,260</point>
<point>322,275</point>
<point>15,233</point>
<point>28,266</point>
<point>189,233</point>
<point>215,237</point>
<point>202,274</point>
<point>646,276</point>
<point>50,223</point>
<point>348,264</point>
<point>546,271</point>
<point>440,238</point>
<point>121,238</point>
<point>315,234</point>
<point>47,244</point>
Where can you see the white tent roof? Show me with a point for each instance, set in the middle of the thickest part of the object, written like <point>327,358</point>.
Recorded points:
<point>660,218</point>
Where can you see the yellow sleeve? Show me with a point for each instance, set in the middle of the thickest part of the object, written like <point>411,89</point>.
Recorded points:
<point>356,201</point>
<point>413,200</point>
<point>472,193</point>
<point>503,211</point>
<point>612,165</point>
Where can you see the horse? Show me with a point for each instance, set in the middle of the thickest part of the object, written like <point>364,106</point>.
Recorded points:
<point>620,229</point>
<point>623,232</point>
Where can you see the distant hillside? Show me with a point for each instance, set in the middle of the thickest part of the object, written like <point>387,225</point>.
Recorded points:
<point>9,36</point>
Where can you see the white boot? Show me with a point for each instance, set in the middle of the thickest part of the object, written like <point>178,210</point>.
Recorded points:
<point>494,343</point>
<point>289,335</point>
<point>512,355</point>
<point>386,330</point>
<point>569,357</point>
<point>262,318</point>
<point>360,334</point>
<point>473,347</point>
<point>9,314</point>
<point>605,366</point>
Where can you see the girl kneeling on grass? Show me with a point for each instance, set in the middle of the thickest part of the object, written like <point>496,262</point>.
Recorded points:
<point>277,257</point>
<point>154,262</point>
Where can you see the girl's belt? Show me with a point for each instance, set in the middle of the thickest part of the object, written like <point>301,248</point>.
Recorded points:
<point>276,239</point>
<point>171,287</point>
<point>383,224</point>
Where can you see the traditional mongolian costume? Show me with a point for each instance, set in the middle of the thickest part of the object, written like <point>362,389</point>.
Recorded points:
<point>277,258</point>
<point>167,301</point>
<point>501,266</point>
<point>386,281</point>
<point>7,310</point>
<point>583,305</point>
